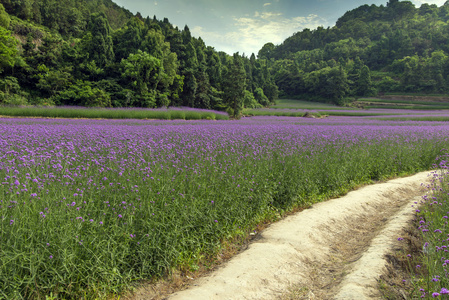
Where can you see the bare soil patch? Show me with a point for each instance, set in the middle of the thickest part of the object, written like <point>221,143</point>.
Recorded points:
<point>334,250</point>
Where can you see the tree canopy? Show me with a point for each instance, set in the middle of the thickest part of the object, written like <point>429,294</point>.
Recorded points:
<point>50,50</point>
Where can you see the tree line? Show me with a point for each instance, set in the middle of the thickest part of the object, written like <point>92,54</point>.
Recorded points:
<point>116,59</point>
<point>371,50</point>
<point>57,52</point>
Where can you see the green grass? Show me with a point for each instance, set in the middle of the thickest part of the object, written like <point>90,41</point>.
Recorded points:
<point>415,94</point>
<point>359,113</point>
<point>320,113</point>
<point>428,265</point>
<point>98,113</point>
<point>91,207</point>
<point>258,112</point>
<point>387,101</point>
<point>300,104</point>
<point>423,118</point>
<point>411,107</point>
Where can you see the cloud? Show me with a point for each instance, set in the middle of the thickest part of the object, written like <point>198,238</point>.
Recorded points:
<point>269,15</point>
<point>267,4</point>
<point>251,33</point>
<point>437,2</point>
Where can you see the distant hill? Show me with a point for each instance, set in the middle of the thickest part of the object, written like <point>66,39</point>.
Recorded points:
<point>371,49</point>
<point>95,53</point>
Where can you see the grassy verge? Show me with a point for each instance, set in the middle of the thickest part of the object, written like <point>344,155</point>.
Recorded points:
<point>89,208</point>
<point>300,104</point>
<point>416,107</point>
<point>131,113</point>
<point>397,101</point>
<point>421,265</point>
<point>423,118</point>
<point>317,114</point>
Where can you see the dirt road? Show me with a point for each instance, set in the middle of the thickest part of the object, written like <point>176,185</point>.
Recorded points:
<point>334,250</point>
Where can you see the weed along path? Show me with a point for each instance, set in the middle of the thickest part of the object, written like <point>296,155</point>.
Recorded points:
<point>334,250</point>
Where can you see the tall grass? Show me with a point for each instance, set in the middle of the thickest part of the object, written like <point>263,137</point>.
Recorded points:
<point>129,113</point>
<point>398,101</point>
<point>88,207</point>
<point>419,118</point>
<point>428,267</point>
<point>411,107</point>
<point>300,104</point>
<point>317,113</point>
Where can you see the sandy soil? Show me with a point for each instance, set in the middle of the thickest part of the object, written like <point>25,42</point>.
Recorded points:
<point>334,250</point>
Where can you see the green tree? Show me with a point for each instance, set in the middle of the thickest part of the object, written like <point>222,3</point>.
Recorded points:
<point>234,85</point>
<point>249,101</point>
<point>8,50</point>
<point>364,84</point>
<point>337,85</point>
<point>128,39</point>
<point>189,69</point>
<point>82,93</point>
<point>267,51</point>
<point>53,81</point>
<point>98,41</point>
<point>260,97</point>
<point>144,72</point>
<point>4,17</point>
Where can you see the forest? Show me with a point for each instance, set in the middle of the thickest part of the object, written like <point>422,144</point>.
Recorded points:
<point>56,52</point>
<point>396,48</point>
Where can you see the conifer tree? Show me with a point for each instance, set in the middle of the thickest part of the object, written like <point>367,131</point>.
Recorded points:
<point>234,85</point>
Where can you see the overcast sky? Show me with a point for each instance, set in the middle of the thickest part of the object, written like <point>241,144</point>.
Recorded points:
<point>246,25</point>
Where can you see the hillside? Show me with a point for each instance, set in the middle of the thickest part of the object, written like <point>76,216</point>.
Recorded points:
<point>371,49</point>
<point>59,53</point>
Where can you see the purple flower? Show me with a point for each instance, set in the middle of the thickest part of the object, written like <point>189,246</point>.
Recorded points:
<point>120,216</point>
<point>444,291</point>
<point>434,295</point>
<point>400,239</point>
<point>51,256</point>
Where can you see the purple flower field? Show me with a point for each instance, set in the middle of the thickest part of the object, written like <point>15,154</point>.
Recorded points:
<point>89,206</point>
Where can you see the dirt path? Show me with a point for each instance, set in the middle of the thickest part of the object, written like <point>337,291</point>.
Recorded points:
<point>334,250</point>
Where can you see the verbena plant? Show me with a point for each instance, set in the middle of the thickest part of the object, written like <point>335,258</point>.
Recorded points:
<point>90,206</point>
<point>428,267</point>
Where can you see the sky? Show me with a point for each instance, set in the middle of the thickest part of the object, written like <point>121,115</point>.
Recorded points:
<point>244,26</point>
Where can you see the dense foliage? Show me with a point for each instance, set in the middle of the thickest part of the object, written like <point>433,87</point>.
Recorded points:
<point>392,48</point>
<point>58,52</point>
<point>424,250</point>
